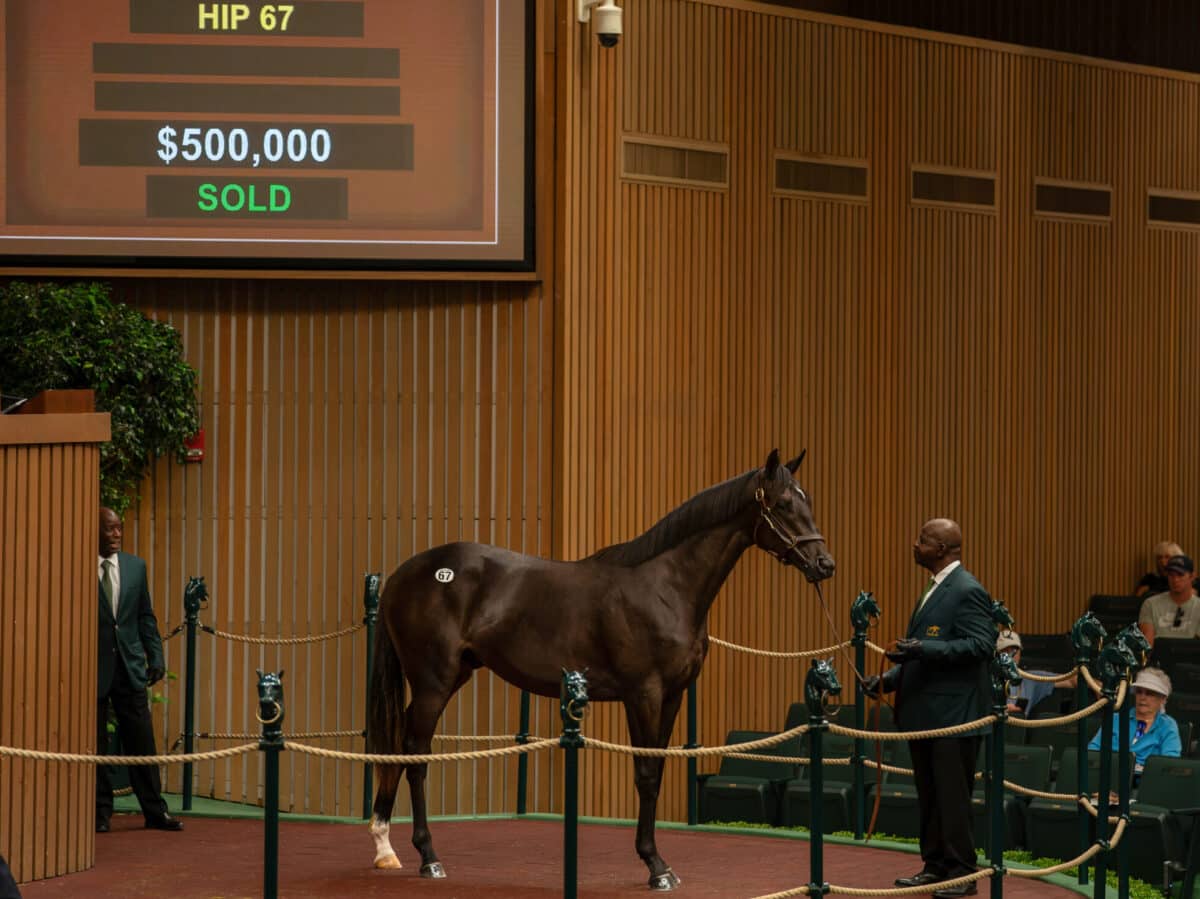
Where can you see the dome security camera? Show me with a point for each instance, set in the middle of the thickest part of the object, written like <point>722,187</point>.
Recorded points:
<point>607,19</point>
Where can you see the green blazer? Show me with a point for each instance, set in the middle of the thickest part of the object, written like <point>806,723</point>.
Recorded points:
<point>133,636</point>
<point>949,684</point>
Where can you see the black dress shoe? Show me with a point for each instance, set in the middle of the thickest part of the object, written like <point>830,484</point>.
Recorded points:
<point>919,880</point>
<point>166,822</point>
<point>102,826</point>
<point>956,892</point>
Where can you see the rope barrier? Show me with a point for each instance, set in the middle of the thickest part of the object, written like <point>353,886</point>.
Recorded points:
<point>1092,850</point>
<point>313,735</point>
<point>802,654</point>
<point>671,752</point>
<point>1048,678</point>
<point>126,759</point>
<point>784,759</point>
<point>281,641</point>
<point>895,891</point>
<point>977,724</point>
<point>1033,723</point>
<point>378,759</point>
<point>179,629</point>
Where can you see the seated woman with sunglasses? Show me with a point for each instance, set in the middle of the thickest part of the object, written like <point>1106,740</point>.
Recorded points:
<point>1151,730</point>
<point>1175,613</point>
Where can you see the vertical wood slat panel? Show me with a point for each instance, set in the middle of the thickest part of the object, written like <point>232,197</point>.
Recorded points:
<point>934,361</point>
<point>48,611</point>
<point>307,390</point>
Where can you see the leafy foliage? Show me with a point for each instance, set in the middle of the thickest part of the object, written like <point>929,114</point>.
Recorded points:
<point>75,336</point>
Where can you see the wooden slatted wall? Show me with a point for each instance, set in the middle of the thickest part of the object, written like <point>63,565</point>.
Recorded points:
<point>349,425</point>
<point>49,494</point>
<point>1032,377</point>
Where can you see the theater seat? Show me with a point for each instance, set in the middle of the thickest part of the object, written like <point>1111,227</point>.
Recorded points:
<point>746,790</point>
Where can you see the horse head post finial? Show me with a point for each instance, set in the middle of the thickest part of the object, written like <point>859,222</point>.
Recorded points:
<point>195,594</point>
<point>1001,615</point>
<point>820,683</point>
<point>270,707</point>
<point>1003,670</point>
<point>1114,664</point>
<point>1132,638</point>
<point>862,610</point>
<point>573,701</point>
<point>371,598</point>
<point>1087,636</point>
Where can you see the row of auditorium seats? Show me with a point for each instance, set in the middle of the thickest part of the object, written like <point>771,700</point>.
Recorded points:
<point>780,793</point>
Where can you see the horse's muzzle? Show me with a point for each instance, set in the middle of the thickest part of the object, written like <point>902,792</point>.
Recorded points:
<point>818,569</point>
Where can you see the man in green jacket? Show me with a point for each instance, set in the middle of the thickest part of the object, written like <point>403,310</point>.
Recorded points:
<point>130,659</point>
<point>941,680</point>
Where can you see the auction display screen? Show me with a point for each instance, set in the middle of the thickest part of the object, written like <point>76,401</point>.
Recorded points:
<point>356,133</point>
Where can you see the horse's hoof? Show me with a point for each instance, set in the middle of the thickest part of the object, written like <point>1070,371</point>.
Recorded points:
<point>388,862</point>
<point>667,880</point>
<point>433,870</point>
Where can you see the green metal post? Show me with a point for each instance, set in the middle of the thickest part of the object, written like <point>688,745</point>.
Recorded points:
<point>1087,636</point>
<point>693,778</point>
<point>1004,673</point>
<point>818,684</point>
<point>862,610</point>
<point>1136,647</point>
<point>193,596</point>
<point>572,704</point>
<point>523,758</point>
<point>1126,777</point>
<point>370,616</point>
<point>270,714</point>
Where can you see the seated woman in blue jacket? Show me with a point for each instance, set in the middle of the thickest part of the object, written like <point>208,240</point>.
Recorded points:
<point>1151,730</point>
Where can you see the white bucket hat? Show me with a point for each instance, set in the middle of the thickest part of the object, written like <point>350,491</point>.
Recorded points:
<point>1153,679</point>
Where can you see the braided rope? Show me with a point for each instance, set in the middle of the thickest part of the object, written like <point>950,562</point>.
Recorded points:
<point>896,891</point>
<point>316,734</point>
<point>175,633</point>
<point>784,759</point>
<point>126,759</point>
<point>645,751</point>
<point>1078,860</point>
<point>883,766</point>
<point>977,724</point>
<point>875,647</point>
<point>483,738</point>
<point>378,759</point>
<point>802,654</point>
<point>282,641</point>
<point>1048,678</point>
<point>1063,719</point>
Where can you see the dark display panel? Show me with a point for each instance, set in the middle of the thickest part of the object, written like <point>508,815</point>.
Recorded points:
<point>364,133</point>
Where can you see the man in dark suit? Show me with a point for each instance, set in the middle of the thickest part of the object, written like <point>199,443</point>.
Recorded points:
<point>941,680</point>
<point>131,658</point>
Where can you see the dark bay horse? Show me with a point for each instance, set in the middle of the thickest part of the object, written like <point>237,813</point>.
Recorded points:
<point>633,615</point>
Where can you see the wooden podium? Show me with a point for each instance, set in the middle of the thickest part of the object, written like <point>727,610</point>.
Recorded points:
<point>49,532</point>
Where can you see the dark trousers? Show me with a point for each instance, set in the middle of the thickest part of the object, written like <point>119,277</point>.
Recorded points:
<point>137,738</point>
<point>8,886</point>
<point>944,771</point>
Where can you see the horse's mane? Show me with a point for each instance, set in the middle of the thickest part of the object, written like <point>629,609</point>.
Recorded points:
<point>709,507</point>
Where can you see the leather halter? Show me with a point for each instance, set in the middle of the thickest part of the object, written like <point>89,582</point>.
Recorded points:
<point>790,541</point>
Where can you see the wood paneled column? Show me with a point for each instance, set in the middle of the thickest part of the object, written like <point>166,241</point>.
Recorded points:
<point>49,497</point>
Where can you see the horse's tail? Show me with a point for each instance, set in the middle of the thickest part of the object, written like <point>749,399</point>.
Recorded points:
<point>385,717</point>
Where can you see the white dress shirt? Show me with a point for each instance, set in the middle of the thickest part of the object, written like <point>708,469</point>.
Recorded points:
<point>116,577</point>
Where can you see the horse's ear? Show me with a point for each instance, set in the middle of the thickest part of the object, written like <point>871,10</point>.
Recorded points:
<point>258,671</point>
<point>772,464</point>
<point>281,674</point>
<point>795,463</point>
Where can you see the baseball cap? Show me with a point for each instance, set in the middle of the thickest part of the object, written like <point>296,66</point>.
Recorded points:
<point>1153,679</point>
<point>1007,640</point>
<point>1181,564</point>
